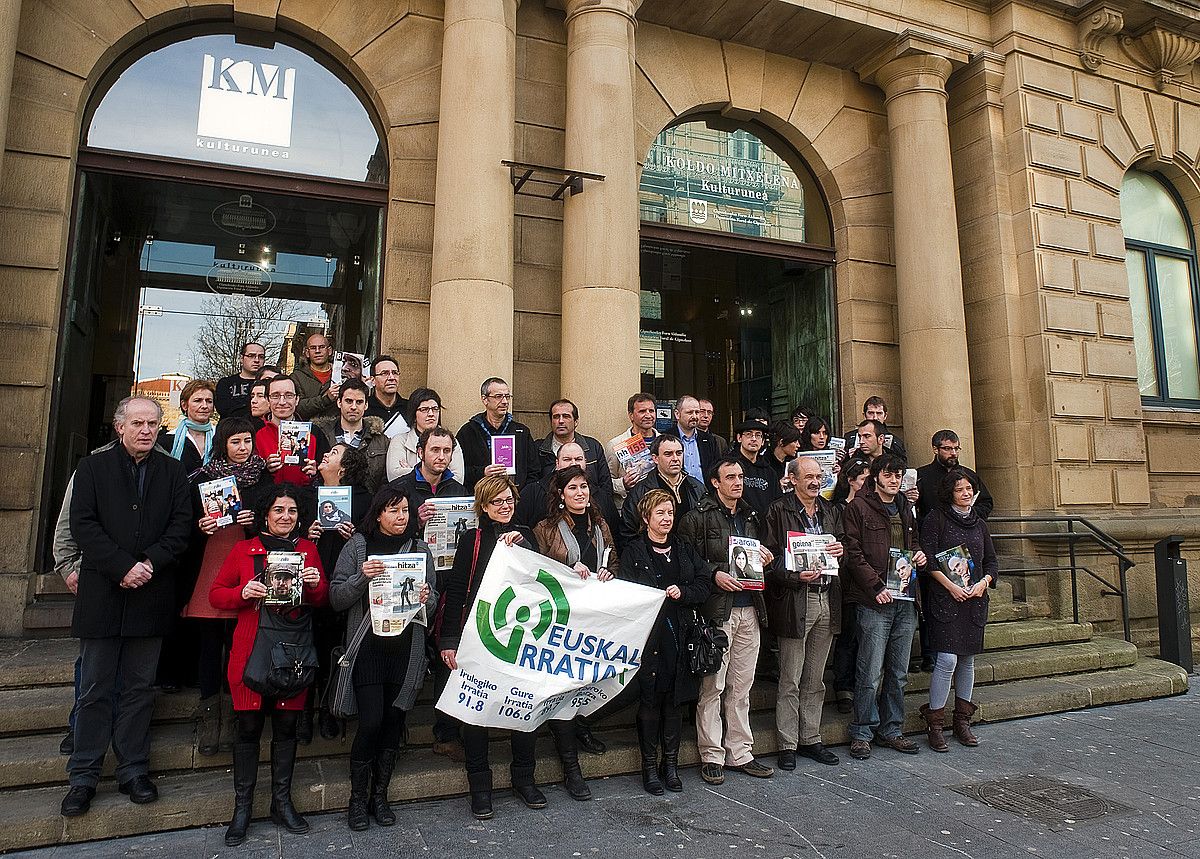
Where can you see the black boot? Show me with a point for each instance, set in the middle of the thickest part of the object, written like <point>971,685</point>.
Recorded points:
<point>385,762</point>
<point>481,794</point>
<point>672,728</point>
<point>283,763</point>
<point>568,753</point>
<point>648,741</point>
<point>245,777</point>
<point>360,791</point>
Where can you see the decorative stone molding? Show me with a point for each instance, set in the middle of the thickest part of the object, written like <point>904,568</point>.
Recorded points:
<point>1096,25</point>
<point>1164,53</point>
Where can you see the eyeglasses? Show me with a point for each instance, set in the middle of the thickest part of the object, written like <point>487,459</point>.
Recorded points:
<point>501,397</point>
<point>509,501</point>
<point>950,448</point>
<point>383,374</point>
<point>428,410</point>
<point>255,356</point>
<point>277,397</point>
<point>317,348</point>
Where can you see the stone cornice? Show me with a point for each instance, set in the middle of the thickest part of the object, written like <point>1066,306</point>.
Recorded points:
<point>1163,52</point>
<point>909,44</point>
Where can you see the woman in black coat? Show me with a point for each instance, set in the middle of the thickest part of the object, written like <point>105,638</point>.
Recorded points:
<point>659,560</point>
<point>495,503</point>
<point>957,610</point>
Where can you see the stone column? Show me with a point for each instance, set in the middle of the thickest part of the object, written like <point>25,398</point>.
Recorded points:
<point>935,383</point>
<point>471,297</point>
<point>10,20</point>
<point>601,281</point>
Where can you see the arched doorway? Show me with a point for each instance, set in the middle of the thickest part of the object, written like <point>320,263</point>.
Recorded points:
<point>736,273</point>
<point>227,190</point>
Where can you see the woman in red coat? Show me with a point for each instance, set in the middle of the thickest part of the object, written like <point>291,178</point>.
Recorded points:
<point>238,587</point>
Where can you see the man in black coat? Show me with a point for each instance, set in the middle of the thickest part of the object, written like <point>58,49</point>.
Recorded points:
<point>700,452</point>
<point>564,420</point>
<point>946,448</point>
<point>131,516</point>
<point>668,475</point>
<point>476,438</point>
<point>875,409</point>
<point>232,398</point>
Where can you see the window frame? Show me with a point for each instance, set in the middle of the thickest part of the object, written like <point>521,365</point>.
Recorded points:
<point>1149,250</point>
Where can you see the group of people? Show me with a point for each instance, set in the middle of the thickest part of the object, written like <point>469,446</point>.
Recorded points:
<point>167,597</point>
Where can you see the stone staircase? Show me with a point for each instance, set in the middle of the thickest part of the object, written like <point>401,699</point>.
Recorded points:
<point>1033,665</point>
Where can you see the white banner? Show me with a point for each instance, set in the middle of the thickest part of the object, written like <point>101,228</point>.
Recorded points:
<point>540,643</point>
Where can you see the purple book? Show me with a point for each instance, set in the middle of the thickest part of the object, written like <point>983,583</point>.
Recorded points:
<point>504,452</point>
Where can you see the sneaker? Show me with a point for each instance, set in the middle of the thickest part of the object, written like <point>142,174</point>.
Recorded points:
<point>900,743</point>
<point>755,768</point>
<point>713,773</point>
<point>860,750</point>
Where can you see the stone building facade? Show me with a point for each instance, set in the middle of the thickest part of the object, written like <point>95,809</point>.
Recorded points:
<point>968,158</point>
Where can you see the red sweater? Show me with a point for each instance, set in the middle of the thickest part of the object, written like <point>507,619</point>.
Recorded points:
<point>226,593</point>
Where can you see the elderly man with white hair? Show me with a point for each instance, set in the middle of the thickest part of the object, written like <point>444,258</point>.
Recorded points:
<point>131,517</point>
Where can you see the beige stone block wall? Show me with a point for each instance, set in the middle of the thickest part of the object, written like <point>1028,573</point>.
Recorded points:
<point>837,125</point>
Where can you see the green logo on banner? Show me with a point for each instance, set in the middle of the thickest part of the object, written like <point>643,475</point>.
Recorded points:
<point>493,622</point>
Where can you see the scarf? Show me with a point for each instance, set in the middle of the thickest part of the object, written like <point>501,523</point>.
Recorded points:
<point>385,544</point>
<point>181,438</point>
<point>247,473</point>
<point>278,544</point>
<point>573,551</point>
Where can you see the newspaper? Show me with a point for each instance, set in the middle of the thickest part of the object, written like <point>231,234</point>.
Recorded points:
<point>452,517</point>
<point>395,595</point>
<point>908,480</point>
<point>745,562</point>
<point>827,459</point>
<point>806,554</point>
<point>281,575</point>
<point>221,500</point>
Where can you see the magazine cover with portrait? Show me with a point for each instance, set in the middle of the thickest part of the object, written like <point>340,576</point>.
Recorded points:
<point>281,575</point>
<point>745,562</point>
<point>807,553</point>
<point>221,500</point>
<point>333,506</point>
<point>348,365</point>
<point>956,565</point>
<point>902,574</point>
<point>293,441</point>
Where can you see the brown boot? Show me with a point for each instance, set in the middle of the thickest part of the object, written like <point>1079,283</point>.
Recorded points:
<point>935,721</point>
<point>963,711</point>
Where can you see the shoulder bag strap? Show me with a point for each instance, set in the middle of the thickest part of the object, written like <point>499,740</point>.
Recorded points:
<point>471,581</point>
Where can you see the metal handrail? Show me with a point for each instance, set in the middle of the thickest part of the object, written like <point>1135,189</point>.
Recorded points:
<point>1092,534</point>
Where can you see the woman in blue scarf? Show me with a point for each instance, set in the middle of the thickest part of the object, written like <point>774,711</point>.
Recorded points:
<point>191,441</point>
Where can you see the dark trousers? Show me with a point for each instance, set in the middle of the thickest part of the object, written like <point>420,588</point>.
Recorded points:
<point>845,651</point>
<point>380,725</point>
<point>216,640</point>
<point>107,664</point>
<point>475,748</point>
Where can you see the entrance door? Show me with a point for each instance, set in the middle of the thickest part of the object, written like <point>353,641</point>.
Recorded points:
<point>169,278</point>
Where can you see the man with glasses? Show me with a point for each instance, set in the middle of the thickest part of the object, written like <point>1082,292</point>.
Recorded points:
<point>476,438</point>
<point>706,418</point>
<point>233,392</point>
<point>281,394</point>
<point>385,402</point>
<point>946,448</point>
<point>314,380</point>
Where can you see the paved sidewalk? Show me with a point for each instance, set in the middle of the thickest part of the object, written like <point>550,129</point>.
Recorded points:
<point>1142,761</point>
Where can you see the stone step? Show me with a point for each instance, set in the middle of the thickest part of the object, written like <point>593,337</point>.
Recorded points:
<point>52,584</point>
<point>42,709</point>
<point>34,759</point>
<point>29,817</point>
<point>48,616</point>
<point>1033,633</point>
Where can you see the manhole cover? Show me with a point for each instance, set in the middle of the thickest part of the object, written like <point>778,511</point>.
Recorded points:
<point>1053,802</point>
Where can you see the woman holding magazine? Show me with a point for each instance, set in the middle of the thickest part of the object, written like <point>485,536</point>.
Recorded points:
<point>958,604</point>
<point>575,534</point>
<point>341,466</point>
<point>658,559</point>
<point>233,457</point>
<point>387,671</point>
<point>495,504</point>
<point>241,587</point>
<point>424,412</point>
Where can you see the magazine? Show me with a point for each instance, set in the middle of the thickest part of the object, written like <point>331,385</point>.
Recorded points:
<point>504,452</point>
<point>837,443</point>
<point>333,506</point>
<point>902,574</point>
<point>293,441</point>
<point>281,575</point>
<point>909,480</point>
<point>745,562</point>
<point>395,595</point>
<point>806,554</point>
<point>827,459</point>
<point>220,500</point>
<point>348,365</point>
<point>452,517</point>
<point>957,566</point>
<point>634,455</point>
<point>396,425</point>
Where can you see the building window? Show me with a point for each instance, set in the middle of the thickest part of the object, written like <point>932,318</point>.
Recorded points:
<point>1160,257</point>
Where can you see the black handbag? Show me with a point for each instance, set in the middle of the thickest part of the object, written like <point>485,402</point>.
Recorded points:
<point>706,644</point>
<point>283,661</point>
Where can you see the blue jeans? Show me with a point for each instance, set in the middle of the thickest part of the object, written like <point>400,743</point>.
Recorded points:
<point>885,636</point>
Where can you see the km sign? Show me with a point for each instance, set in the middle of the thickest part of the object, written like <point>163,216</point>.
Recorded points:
<point>244,100</point>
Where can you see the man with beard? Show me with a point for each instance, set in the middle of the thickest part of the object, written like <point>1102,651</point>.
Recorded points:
<point>946,448</point>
